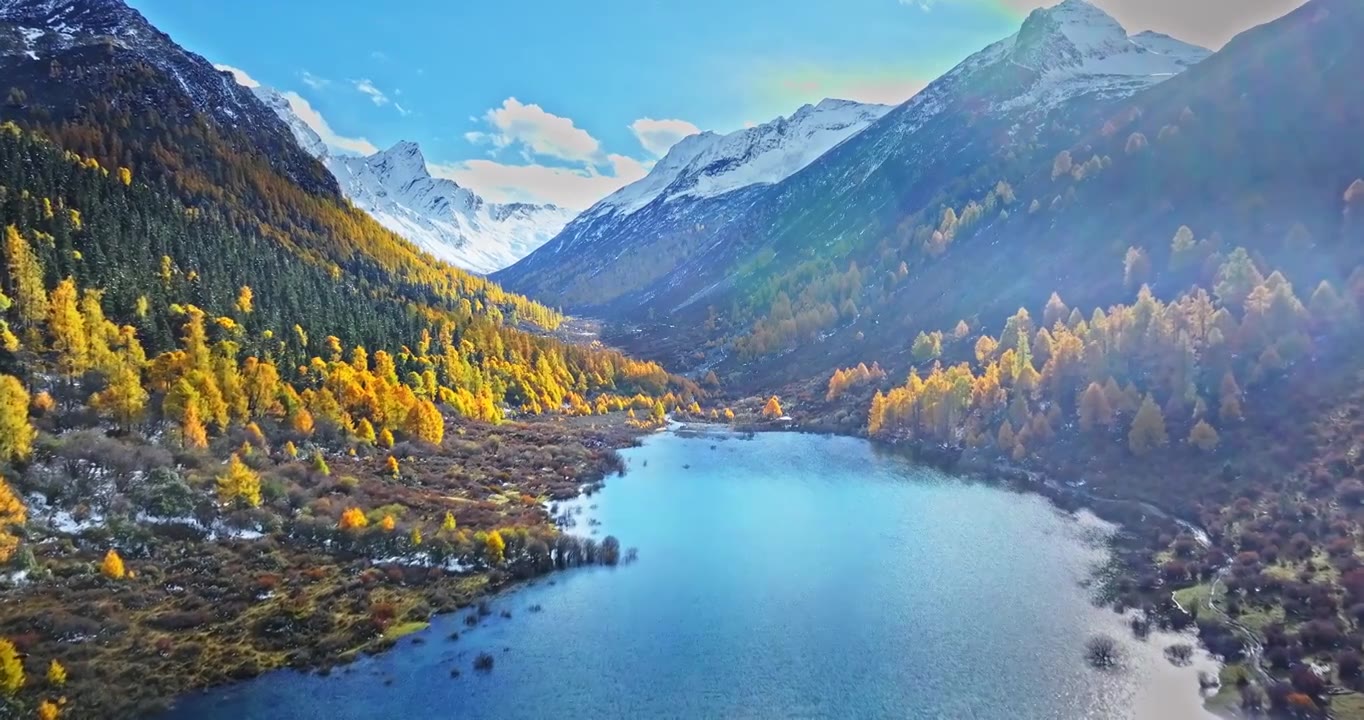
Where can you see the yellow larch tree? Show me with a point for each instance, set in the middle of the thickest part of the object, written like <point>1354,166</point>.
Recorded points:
<point>124,399</point>
<point>353,519</point>
<point>302,422</point>
<point>26,278</point>
<point>11,668</point>
<point>112,566</point>
<point>364,431</point>
<point>424,422</point>
<point>56,674</point>
<point>12,513</point>
<point>1203,436</point>
<point>16,432</point>
<point>67,328</point>
<point>1148,428</point>
<point>1230,408</point>
<point>245,304</point>
<point>495,546</point>
<point>1094,410</point>
<point>238,484</point>
<point>772,410</point>
<point>261,384</point>
<point>192,431</point>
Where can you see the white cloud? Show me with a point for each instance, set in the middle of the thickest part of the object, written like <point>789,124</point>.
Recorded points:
<point>579,172</point>
<point>657,136</point>
<point>239,75</point>
<point>367,87</point>
<point>540,133</point>
<point>313,81</point>
<point>575,188</point>
<point>628,169</point>
<point>308,114</point>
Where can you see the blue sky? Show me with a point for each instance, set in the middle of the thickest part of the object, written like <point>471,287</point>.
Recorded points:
<point>565,100</point>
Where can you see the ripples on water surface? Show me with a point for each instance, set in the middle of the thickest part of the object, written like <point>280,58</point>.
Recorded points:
<point>781,576</point>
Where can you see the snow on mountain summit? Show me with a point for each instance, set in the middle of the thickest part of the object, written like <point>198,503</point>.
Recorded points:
<point>709,164</point>
<point>1077,48</point>
<point>451,222</point>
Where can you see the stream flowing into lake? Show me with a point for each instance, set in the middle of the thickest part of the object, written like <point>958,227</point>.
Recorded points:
<point>779,576</point>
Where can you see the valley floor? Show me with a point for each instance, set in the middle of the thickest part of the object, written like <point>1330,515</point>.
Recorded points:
<point>205,602</point>
<point>1256,544</point>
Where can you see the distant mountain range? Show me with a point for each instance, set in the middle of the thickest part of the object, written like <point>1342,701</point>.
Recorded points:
<point>1055,150</point>
<point>849,164</point>
<point>456,225</point>
<point>451,222</point>
<point>704,181</point>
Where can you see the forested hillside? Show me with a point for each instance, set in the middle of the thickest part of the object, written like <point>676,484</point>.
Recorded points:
<point>1166,310</point>
<point>849,259</point>
<point>226,395</point>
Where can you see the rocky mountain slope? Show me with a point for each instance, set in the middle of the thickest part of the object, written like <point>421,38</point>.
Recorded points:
<point>451,222</point>
<point>706,180</point>
<point>1064,61</point>
<point>849,259</point>
<point>58,38</point>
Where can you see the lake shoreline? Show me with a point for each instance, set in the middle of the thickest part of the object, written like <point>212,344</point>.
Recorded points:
<point>1015,478</point>
<point>746,469</point>
<point>327,619</point>
<point>1132,551</point>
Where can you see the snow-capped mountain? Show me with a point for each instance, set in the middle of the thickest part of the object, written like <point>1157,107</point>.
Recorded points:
<point>707,177</point>
<point>451,222</point>
<point>37,32</point>
<point>709,165</point>
<point>1065,61</point>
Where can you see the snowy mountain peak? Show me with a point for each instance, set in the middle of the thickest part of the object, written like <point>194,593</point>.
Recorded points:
<point>709,164</point>
<point>405,152</point>
<point>110,18</point>
<point>403,161</point>
<point>41,31</point>
<point>307,138</point>
<point>1067,35</point>
<point>452,223</point>
<point>1072,49</point>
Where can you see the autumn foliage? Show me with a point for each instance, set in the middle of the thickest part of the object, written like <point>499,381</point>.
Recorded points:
<point>772,410</point>
<point>353,519</point>
<point>238,483</point>
<point>11,668</point>
<point>842,380</point>
<point>112,566</point>
<point>1149,368</point>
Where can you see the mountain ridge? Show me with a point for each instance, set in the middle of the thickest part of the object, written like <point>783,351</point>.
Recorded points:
<point>453,223</point>
<point>45,28</point>
<point>891,167</point>
<point>702,177</point>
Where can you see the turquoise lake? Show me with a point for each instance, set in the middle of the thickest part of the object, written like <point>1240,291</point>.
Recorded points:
<point>782,576</point>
